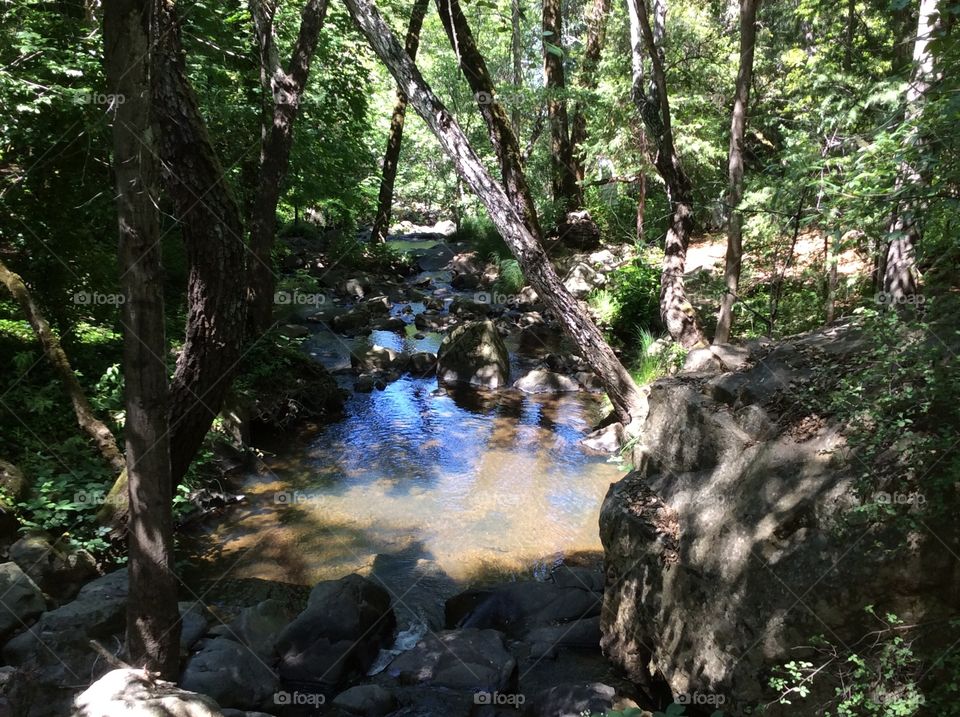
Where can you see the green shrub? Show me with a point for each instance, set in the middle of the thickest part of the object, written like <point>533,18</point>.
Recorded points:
<point>511,279</point>
<point>480,233</point>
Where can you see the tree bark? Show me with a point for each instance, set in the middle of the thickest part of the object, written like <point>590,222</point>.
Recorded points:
<point>499,128</point>
<point>516,58</point>
<point>738,124</point>
<point>678,315</point>
<point>391,157</point>
<point>87,420</point>
<point>627,400</point>
<point>153,620</point>
<point>566,192</point>
<point>587,81</point>
<point>212,229</point>
<point>899,266</point>
<point>286,88</point>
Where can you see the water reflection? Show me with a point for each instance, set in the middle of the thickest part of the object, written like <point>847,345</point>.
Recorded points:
<point>478,482</point>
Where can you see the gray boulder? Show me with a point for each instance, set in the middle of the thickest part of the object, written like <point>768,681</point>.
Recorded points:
<point>339,634</point>
<point>58,570</point>
<point>713,545</point>
<point>20,599</point>
<point>367,700</point>
<point>259,626</point>
<point>231,673</point>
<point>474,354</point>
<point>573,700</point>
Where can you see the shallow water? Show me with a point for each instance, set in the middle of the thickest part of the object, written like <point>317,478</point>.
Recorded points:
<point>460,487</point>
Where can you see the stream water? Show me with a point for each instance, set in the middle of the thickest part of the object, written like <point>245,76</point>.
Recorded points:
<point>468,487</point>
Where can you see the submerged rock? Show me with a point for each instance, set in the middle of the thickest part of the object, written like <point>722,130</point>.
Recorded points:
<point>544,381</point>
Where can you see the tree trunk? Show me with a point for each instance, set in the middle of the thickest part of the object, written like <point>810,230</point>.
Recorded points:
<point>499,128</point>
<point>285,87</point>
<point>566,192</point>
<point>391,157</point>
<point>899,264</point>
<point>627,400</point>
<point>738,124</point>
<point>587,81</point>
<point>516,58</point>
<point>212,230</point>
<point>89,423</point>
<point>153,620</point>
<point>677,313</point>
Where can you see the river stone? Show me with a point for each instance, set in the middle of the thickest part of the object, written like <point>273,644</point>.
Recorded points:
<point>350,321</point>
<point>259,626</point>
<point>378,358</point>
<point>422,363</point>
<point>20,597</point>
<point>339,634</point>
<point>518,608</point>
<point>469,660</point>
<point>230,673</point>
<point>367,700</point>
<point>580,634</point>
<point>133,693</point>
<point>573,700</point>
<point>544,381</point>
<point>474,354</point>
<point>193,624</point>
<point>58,571</point>
<point>582,279</point>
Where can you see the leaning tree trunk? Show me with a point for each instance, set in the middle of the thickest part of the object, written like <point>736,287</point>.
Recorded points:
<point>738,124</point>
<point>286,89</point>
<point>626,398</point>
<point>153,620</point>
<point>391,157</point>
<point>587,81</point>
<point>212,230</point>
<point>899,263</point>
<point>567,194</point>
<point>678,315</point>
<point>88,421</point>
<point>499,127</point>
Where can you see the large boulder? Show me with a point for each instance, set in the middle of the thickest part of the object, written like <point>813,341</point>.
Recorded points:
<point>724,549</point>
<point>20,599</point>
<point>59,570</point>
<point>230,672</point>
<point>134,693</point>
<point>339,634</point>
<point>474,354</point>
